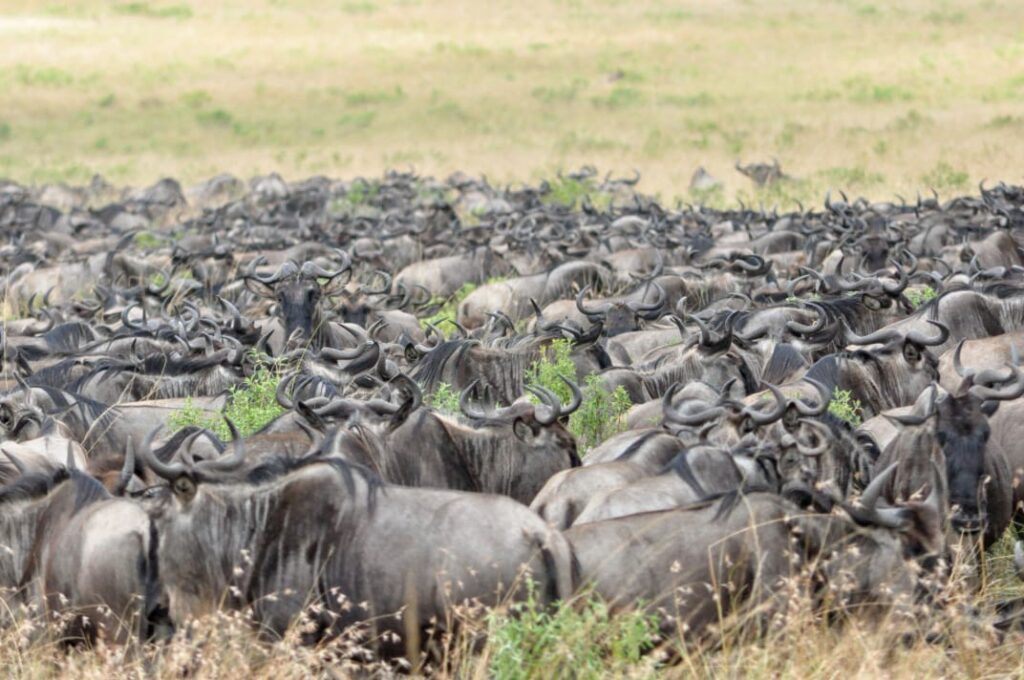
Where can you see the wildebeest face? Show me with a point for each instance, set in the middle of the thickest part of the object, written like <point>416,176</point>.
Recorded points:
<point>543,437</point>
<point>298,299</point>
<point>620,319</point>
<point>963,432</point>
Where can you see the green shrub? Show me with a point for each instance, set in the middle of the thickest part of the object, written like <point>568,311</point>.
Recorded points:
<point>444,399</point>
<point>572,193</point>
<point>554,364</point>
<point>250,406</point>
<point>920,296</point>
<point>448,310</point>
<point>600,416</point>
<point>845,407</point>
<point>147,241</point>
<point>579,640</point>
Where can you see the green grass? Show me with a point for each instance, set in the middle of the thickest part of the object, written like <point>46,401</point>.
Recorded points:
<point>845,407</point>
<point>553,368</point>
<point>601,415</point>
<point>154,10</point>
<point>944,177</point>
<point>920,296</point>
<point>444,399</point>
<point>572,193</point>
<point>250,406</point>
<point>447,310</point>
<point>515,93</point>
<point>579,639</point>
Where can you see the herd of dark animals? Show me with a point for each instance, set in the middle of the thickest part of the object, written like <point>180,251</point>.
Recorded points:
<point>731,331</point>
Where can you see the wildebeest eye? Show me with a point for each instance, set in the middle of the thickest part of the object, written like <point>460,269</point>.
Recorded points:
<point>185,487</point>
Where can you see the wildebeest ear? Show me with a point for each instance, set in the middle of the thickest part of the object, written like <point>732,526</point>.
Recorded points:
<point>522,430</point>
<point>989,407</point>
<point>257,287</point>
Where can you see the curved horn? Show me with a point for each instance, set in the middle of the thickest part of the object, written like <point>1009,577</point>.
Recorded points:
<point>169,471</point>
<point>550,400</point>
<point>346,354</point>
<point>650,306</point>
<point>881,336</point>
<point>773,415</point>
<point>466,407</point>
<point>798,328</point>
<point>957,365</point>
<point>127,470</point>
<point>587,312</point>
<point>824,397</point>
<point>577,397</point>
<point>1011,391</point>
<point>869,499</point>
<point>824,435</point>
<point>281,393</point>
<point>226,463</point>
<point>694,419</point>
<point>69,458</point>
<point>18,464</point>
<point>920,339</point>
<point>289,268</point>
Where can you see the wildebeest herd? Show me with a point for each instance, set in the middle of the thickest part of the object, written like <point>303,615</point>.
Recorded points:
<point>363,506</point>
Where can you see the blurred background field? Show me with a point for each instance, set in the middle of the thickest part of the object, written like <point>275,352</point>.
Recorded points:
<point>874,97</point>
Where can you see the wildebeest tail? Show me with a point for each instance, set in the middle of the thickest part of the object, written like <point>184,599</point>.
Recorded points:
<point>558,565</point>
<point>155,622</point>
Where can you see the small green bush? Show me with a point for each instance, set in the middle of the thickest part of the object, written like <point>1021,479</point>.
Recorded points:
<point>600,416</point>
<point>250,406</point>
<point>147,241</point>
<point>448,311</point>
<point>920,296</point>
<point>554,364</point>
<point>845,407</point>
<point>573,640</point>
<point>572,193</point>
<point>444,399</point>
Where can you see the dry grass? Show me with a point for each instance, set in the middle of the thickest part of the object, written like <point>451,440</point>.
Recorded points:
<point>877,97</point>
<point>799,645</point>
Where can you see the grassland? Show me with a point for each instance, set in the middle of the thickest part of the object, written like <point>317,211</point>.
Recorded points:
<point>870,96</point>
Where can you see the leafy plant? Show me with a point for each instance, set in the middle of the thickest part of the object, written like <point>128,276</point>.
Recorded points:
<point>572,193</point>
<point>579,639</point>
<point>554,364</point>
<point>600,416</point>
<point>250,406</point>
<point>444,399</point>
<point>448,310</point>
<point>845,407</point>
<point>920,296</point>
<point>601,413</point>
<point>146,240</point>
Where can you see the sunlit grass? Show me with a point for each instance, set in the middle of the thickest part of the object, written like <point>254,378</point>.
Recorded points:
<point>916,92</point>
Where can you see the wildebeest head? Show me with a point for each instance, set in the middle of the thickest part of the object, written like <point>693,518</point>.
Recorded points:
<point>891,370</point>
<point>537,425</point>
<point>298,293</point>
<point>357,305</point>
<point>622,315</point>
<point>963,431</point>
